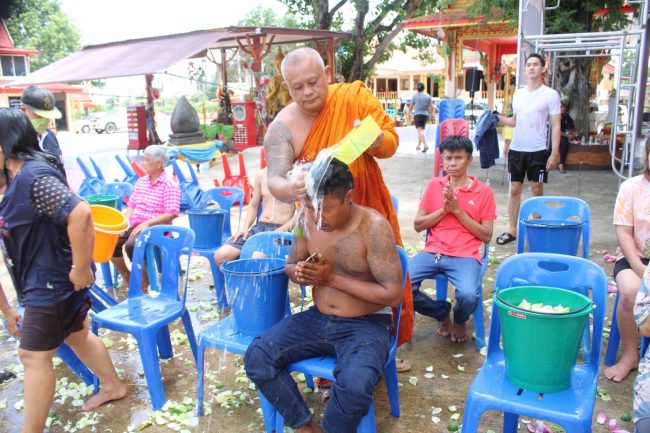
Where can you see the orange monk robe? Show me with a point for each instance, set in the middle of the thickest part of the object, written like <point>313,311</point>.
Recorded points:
<point>345,104</point>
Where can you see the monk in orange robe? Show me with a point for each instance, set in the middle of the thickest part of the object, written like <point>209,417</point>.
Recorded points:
<point>319,117</point>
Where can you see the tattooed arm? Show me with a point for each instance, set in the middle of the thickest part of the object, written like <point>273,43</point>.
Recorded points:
<point>279,159</point>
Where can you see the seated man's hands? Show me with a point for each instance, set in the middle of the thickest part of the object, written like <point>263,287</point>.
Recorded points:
<point>316,273</point>
<point>449,199</point>
<point>240,234</point>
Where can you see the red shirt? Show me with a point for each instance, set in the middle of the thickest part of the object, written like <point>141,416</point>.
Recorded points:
<point>450,237</point>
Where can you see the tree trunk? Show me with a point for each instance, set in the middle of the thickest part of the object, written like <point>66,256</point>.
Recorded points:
<point>359,41</point>
<point>572,83</point>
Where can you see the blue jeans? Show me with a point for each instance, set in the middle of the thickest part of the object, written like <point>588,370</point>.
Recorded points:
<point>360,346</point>
<point>464,273</point>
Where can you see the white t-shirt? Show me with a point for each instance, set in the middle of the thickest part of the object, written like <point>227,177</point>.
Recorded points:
<point>532,111</point>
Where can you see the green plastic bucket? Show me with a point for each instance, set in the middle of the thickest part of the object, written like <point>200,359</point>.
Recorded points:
<point>103,199</point>
<point>541,349</point>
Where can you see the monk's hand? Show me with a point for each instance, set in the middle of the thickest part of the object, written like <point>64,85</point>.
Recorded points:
<point>375,144</point>
<point>316,273</point>
<point>297,184</point>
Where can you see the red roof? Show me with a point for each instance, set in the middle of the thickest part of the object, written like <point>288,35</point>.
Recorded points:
<point>53,87</point>
<point>448,18</point>
<point>7,43</point>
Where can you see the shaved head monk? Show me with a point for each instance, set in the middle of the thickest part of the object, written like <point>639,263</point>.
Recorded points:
<point>319,117</point>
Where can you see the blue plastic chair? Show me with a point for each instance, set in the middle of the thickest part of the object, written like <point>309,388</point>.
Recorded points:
<point>120,189</point>
<point>479,321</point>
<point>98,170</point>
<point>67,355</point>
<point>191,191</point>
<point>147,318</point>
<point>395,203</point>
<point>554,208</point>
<point>449,109</point>
<point>129,174</point>
<point>225,197</point>
<point>615,340</point>
<point>91,184</point>
<point>572,408</point>
<point>324,367</point>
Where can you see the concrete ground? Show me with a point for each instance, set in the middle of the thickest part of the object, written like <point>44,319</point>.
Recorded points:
<point>428,402</point>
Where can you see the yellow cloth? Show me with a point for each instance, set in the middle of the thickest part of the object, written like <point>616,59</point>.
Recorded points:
<point>346,103</point>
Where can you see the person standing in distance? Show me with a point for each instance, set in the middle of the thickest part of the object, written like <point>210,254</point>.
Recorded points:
<point>528,155</point>
<point>422,107</point>
<point>39,105</point>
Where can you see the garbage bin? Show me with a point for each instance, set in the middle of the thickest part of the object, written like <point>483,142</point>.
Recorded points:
<point>553,236</point>
<point>257,293</point>
<point>541,349</point>
<point>208,227</point>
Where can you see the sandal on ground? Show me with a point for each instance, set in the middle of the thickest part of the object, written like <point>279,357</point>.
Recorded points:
<point>6,375</point>
<point>402,366</point>
<point>506,238</point>
<point>425,149</point>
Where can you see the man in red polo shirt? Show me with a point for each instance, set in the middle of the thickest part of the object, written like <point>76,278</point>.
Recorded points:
<point>458,213</point>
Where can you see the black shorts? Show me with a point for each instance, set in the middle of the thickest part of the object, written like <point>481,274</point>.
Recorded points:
<point>527,164</point>
<point>420,120</point>
<point>257,228</point>
<point>622,265</point>
<point>45,328</point>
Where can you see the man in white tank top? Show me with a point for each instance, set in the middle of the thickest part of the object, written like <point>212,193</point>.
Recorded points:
<point>528,155</point>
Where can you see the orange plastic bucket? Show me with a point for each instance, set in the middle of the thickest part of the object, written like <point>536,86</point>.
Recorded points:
<point>109,225</point>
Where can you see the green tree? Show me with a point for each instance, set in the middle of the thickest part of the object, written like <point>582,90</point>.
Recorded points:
<point>42,25</point>
<point>573,16</point>
<point>373,29</point>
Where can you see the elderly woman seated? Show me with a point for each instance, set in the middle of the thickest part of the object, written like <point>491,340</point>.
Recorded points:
<point>155,200</point>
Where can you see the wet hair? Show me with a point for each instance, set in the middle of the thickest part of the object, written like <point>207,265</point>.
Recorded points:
<point>537,56</point>
<point>298,56</point>
<point>158,153</point>
<point>454,143</point>
<point>336,181</point>
<point>420,86</point>
<point>20,139</point>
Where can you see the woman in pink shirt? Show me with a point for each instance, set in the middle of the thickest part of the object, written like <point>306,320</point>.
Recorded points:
<point>155,200</point>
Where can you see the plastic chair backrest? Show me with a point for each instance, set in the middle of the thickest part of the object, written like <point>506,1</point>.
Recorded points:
<point>553,270</point>
<point>395,201</point>
<point>225,197</point>
<point>271,244</point>
<point>448,127</point>
<point>98,170</point>
<point>129,174</point>
<point>171,243</point>
<point>451,109</point>
<point>185,172</point>
<point>555,208</point>
<point>85,169</point>
<point>120,189</point>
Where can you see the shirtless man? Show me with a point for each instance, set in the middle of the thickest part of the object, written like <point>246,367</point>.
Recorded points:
<point>356,276</point>
<point>276,216</point>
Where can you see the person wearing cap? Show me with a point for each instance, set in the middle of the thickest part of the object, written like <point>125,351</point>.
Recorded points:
<point>422,107</point>
<point>39,105</point>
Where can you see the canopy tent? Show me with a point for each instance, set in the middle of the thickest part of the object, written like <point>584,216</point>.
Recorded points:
<point>151,55</point>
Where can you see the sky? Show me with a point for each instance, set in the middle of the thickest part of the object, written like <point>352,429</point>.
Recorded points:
<point>102,21</point>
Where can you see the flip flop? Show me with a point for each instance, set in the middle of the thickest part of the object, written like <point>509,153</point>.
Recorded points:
<point>506,238</point>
